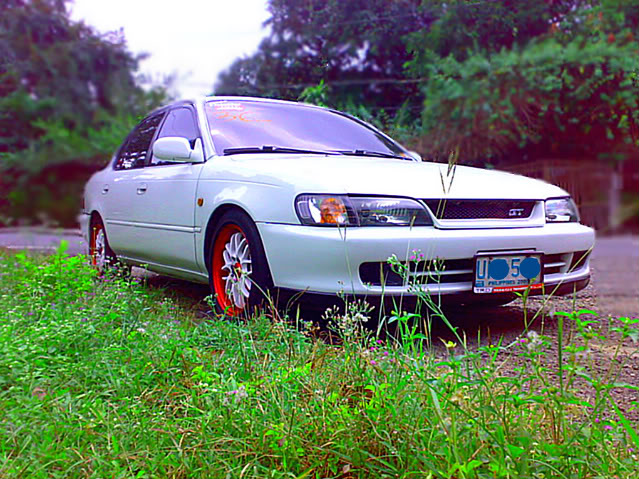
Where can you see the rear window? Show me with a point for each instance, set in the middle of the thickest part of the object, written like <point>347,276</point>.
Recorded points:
<point>254,124</point>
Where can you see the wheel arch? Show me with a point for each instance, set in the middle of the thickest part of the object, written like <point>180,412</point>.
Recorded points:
<point>212,223</point>
<point>92,217</point>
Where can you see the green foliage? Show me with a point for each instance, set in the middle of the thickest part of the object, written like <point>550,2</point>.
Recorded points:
<point>487,106</point>
<point>62,79</point>
<point>462,28</point>
<point>316,95</point>
<point>44,181</point>
<point>68,96</point>
<point>57,143</point>
<point>109,377</point>
<point>493,80</point>
<point>540,79</point>
<point>47,55</point>
<point>18,112</point>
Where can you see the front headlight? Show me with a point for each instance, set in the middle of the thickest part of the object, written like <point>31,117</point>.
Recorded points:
<point>360,211</point>
<point>561,210</point>
<point>390,212</point>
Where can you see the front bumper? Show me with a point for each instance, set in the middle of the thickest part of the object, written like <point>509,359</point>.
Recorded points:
<point>327,260</point>
<point>321,301</point>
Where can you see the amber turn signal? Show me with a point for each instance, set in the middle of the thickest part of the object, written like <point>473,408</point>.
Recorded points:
<point>333,211</point>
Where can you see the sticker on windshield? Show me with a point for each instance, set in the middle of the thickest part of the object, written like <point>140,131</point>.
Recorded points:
<point>245,116</point>
<point>227,106</point>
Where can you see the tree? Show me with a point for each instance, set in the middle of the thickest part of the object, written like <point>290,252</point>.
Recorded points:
<point>463,27</point>
<point>572,91</point>
<point>356,48</point>
<point>547,98</point>
<point>68,97</point>
<point>55,69</point>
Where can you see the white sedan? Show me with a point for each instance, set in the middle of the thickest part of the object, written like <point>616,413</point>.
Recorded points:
<point>253,195</point>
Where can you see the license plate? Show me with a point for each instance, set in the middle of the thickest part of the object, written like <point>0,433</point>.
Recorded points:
<point>505,273</point>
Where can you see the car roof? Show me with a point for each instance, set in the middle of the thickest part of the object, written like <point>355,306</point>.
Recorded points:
<point>204,99</point>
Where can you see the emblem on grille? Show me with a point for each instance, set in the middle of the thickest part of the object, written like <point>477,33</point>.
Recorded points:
<point>515,212</point>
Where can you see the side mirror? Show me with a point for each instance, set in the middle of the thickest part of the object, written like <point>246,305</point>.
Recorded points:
<point>178,149</point>
<point>415,155</point>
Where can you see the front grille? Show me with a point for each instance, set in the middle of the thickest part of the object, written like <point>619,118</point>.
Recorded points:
<point>480,209</point>
<point>423,272</point>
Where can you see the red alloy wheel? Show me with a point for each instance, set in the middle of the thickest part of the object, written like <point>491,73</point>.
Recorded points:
<point>98,246</point>
<point>231,268</point>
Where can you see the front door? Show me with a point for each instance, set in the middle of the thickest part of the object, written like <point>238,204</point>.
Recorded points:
<point>121,211</point>
<point>165,199</point>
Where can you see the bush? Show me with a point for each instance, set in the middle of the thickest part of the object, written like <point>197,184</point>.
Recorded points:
<point>579,98</point>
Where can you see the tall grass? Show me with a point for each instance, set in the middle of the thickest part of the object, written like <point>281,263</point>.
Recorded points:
<point>107,377</point>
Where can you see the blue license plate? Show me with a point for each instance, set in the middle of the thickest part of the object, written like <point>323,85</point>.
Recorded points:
<point>505,273</point>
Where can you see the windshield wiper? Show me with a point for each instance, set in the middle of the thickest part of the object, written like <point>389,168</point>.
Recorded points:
<point>378,154</point>
<point>274,149</point>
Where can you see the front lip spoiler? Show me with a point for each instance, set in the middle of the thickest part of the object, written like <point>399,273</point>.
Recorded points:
<point>285,295</point>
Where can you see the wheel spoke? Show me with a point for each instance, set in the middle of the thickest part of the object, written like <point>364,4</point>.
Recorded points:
<point>244,253</point>
<point>238,297</point>
<point>245,286</point>
<point>235,240</point>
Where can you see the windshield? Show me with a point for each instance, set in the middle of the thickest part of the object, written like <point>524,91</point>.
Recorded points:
<point>246,126</point>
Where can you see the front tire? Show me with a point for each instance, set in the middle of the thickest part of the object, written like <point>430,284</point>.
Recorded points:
<point>239,276</point>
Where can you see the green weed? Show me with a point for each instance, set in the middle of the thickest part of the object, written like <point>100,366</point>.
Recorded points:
<point>107,377</point>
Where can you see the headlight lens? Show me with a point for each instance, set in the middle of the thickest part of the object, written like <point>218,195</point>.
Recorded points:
<point>360,211</point>
<point>561,210</point>
<point>390,212</point>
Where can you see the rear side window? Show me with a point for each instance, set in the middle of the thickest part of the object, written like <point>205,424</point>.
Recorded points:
<point>179,122</point>
<point>134,152</point>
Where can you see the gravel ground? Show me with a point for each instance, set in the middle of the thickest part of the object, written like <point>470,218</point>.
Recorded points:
<point>612,293</point>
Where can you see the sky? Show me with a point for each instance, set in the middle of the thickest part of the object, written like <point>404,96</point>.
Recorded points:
<point>193,39</point>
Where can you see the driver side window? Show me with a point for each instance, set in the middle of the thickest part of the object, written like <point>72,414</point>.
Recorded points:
<point>133,153</point>
<point>179,122</point>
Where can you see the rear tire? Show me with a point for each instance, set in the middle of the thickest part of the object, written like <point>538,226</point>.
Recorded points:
<point>100,253</point>
<point>239,275</point>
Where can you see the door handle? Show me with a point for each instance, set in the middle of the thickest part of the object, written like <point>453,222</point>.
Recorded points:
<point>141,188</point>
<point>105,189</point>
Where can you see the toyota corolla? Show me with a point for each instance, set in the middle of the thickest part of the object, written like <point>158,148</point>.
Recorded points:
<point>252,195</point>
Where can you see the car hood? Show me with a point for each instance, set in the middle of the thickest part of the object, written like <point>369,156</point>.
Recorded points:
<point>381,176</point>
